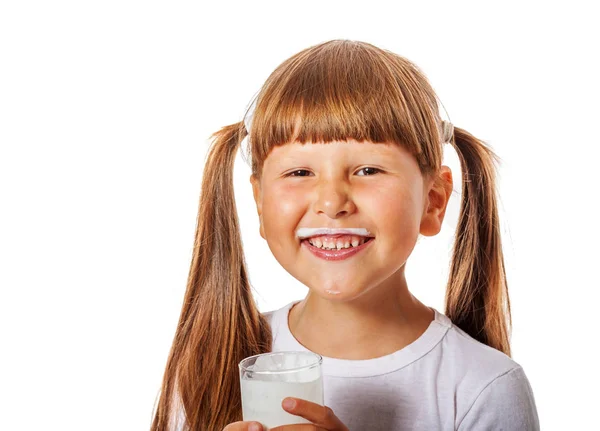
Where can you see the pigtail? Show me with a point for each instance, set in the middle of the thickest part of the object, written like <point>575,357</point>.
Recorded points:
<point>219,324</point>
<point>477,295</point>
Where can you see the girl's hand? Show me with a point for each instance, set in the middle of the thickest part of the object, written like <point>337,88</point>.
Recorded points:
<point>322,417</point>
<point>244,426</point>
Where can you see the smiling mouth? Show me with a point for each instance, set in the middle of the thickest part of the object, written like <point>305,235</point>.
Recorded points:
<point>330,254</point>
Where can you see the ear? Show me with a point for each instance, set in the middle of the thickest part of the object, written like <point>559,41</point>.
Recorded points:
<point>436,202</point>
<point>257,192</point>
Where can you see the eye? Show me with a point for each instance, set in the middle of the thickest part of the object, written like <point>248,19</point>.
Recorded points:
<point>292,174</point>
<point>373,170</point>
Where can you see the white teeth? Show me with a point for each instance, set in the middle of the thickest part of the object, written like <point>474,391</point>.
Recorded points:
<point>337,245</point>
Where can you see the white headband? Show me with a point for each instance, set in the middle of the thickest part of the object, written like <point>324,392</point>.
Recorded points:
<point>447,132</point>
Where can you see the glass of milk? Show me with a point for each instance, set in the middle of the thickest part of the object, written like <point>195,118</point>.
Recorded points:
<point>268,378</point>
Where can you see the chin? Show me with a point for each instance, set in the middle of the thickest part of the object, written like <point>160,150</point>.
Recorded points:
<point>335,294</point>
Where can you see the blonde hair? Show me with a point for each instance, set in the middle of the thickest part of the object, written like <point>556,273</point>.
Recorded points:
<point>336,90</point>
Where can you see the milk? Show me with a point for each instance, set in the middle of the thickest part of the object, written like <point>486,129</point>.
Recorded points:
<point>261,400</point>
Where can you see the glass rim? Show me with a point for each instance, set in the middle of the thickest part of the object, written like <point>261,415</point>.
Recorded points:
<point>319,361</point>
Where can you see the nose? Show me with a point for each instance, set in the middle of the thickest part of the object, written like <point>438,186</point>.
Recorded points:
<point>334,198</point>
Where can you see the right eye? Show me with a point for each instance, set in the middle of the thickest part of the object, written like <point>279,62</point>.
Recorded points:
<point>292,174</point>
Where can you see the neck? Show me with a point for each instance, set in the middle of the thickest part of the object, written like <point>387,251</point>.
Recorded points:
<point>379,322</point>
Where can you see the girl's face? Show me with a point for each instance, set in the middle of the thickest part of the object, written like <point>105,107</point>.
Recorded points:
<point>350,184</point>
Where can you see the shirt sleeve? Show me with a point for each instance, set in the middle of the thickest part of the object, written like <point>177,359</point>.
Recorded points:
<point>507,403</point>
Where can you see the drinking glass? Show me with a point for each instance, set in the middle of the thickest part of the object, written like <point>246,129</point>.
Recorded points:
<point>268,378</point>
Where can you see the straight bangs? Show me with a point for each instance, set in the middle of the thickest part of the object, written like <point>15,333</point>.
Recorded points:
<point>344,90</point>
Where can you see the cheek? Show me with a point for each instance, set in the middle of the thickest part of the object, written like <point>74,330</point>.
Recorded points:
<point>397,213</point>
<point>280,216</point>
<point>281,212</point>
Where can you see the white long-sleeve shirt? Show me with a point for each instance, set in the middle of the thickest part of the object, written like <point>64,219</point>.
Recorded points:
<point>444,380</point>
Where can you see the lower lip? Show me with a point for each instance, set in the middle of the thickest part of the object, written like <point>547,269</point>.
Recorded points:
<point>342,254</point>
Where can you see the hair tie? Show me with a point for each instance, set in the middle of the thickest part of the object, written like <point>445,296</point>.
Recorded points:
<point>245,144</point>
<point>447,132</point>
<point>249,115</point>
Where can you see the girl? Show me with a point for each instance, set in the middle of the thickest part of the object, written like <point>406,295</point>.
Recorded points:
<point>345,144</point>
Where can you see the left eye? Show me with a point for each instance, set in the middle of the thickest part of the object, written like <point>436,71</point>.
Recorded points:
<point>374,170</point>
<point>291,174</point>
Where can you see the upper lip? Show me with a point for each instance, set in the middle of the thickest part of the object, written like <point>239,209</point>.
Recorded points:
<point>304,233</point>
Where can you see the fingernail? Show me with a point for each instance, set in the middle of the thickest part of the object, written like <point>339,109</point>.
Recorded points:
<point>255,427</point>
<point>289,403</point>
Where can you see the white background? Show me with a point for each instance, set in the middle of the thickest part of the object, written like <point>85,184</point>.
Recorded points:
<point>105,112</point>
